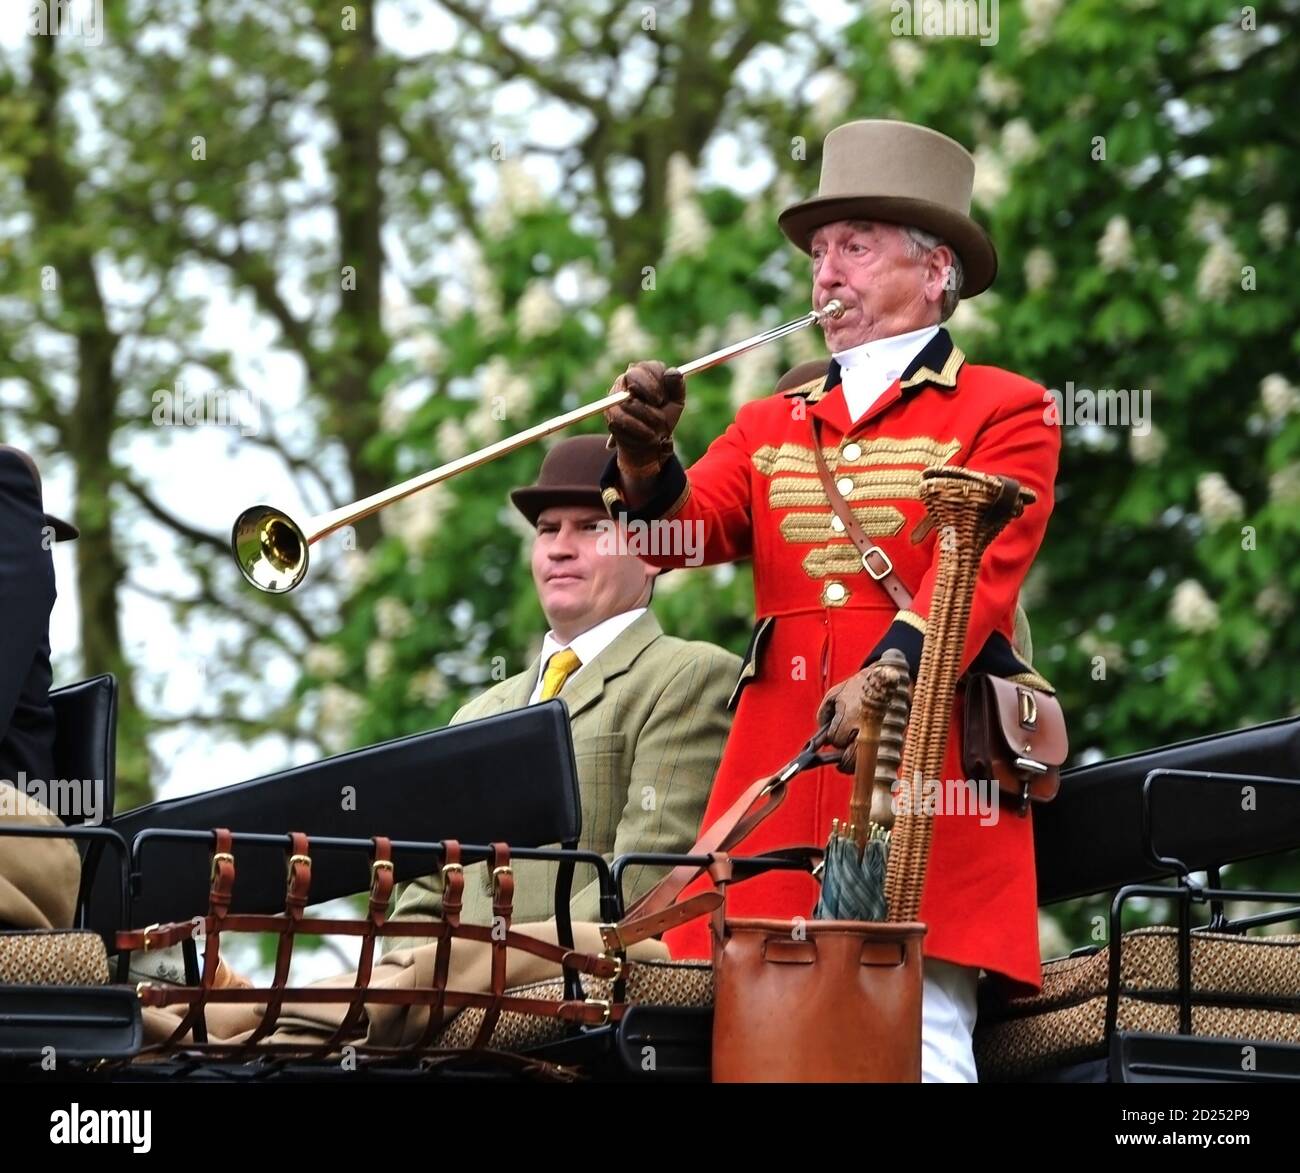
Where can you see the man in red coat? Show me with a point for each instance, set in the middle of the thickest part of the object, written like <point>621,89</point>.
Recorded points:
<point>890,237</point>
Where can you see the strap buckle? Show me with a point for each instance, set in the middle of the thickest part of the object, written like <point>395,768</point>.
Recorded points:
<point>605,1009</point>
<point>611,938</point>
<point>1028,704</point>
<point>293,859</point>
<point>887,569</point>
<point>218,857</point>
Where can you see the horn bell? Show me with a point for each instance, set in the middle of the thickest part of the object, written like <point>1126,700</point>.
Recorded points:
<point>270,548</point>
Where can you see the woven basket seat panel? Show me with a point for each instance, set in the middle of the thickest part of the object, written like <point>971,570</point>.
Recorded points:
<point>651,983</point>
<point>52,958</point>
<point>1243,987</point>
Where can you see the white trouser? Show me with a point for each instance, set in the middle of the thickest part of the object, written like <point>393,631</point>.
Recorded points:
<point>947,1022</point>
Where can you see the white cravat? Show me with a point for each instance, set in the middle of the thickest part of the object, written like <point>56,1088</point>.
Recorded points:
<point>868,370</point>
<point>586,646</point>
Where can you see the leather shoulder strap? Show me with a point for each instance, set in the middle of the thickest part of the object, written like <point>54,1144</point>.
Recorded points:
<point>875,561</point>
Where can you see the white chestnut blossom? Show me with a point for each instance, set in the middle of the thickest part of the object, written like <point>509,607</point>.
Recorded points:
<point>325,661</point>
<point>1220,270</point>
<point>1279,396</point>
<point>1284,486</point>
<point>393,618</point>
<point>1219,503</point>
<point>540,312</point>
<point>1147,447</point>
<point>518,193</point>
<point>379,660</point>
<point>1115,248</point>
<point>1191,609</point>
<point>1275,226</point>
<point>1019,142</point>
<point>1040,269</point>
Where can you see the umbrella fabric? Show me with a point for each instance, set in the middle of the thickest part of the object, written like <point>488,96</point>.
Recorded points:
<point>853,888</point>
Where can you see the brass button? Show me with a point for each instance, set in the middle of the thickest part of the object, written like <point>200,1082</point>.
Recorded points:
<point>835,592</point>
<point>845,485</point>
<point>837,525</point>
<point>852,453</point>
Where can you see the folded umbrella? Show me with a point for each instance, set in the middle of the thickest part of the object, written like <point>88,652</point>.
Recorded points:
<point>853,874</point>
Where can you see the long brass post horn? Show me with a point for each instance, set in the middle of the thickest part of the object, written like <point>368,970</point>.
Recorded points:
<point>271,548</point>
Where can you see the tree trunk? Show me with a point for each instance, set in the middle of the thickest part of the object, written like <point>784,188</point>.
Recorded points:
<point>87,429</point>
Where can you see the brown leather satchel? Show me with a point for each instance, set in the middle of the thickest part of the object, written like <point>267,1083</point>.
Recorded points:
<point>1016,734</point>
<point>1013,731</point>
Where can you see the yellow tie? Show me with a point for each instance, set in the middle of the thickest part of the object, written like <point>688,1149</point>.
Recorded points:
<point>559,668</point>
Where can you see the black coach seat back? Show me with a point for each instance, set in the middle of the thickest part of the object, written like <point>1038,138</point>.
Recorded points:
<point>85,745</point>
<point>507,778</point>
<point>1091,839</point>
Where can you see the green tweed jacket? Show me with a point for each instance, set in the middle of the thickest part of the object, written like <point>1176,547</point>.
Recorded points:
<point>649,719</point>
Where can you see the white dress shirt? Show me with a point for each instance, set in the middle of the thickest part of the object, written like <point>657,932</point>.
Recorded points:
<point>586,646</point>
<point>868,370</point>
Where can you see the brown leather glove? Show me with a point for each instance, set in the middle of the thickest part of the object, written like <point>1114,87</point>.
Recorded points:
<point>642,426</point>
<point>842,707</point>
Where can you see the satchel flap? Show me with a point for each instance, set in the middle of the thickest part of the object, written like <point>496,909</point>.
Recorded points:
<point>1030,720</point>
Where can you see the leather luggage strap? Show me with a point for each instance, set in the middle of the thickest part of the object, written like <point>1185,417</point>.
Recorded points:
<point>656,911</point>
<point>453,889</point>
<point>220,888</point>
<point>381,892</point>
<point>503,898</point>
<point>297,890</point>
<point>875,561</point>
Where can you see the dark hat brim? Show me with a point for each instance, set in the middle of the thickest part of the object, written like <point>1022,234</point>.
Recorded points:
<point>979,258</point>
<point>532,499</point>
<point>64,531</point>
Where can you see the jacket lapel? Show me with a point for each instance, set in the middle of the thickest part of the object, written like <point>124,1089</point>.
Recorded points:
<point>936,365</point>
<point>588,686</point>
<point>521,687</point>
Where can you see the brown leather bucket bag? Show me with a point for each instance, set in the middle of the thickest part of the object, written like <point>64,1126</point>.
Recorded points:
<point>816,1001</point>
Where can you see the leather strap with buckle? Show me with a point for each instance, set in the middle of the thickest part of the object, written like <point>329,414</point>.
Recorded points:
<point>875,561</point>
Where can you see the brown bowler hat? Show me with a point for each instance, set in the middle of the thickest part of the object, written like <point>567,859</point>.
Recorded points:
<point>64,531</point>
<point>570,475</point>
<point>901,173</point>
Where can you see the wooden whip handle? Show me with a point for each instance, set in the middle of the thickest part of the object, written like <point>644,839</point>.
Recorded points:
<point>876,753</point>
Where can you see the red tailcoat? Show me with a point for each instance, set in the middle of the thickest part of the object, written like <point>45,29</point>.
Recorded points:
<point>755,494</point>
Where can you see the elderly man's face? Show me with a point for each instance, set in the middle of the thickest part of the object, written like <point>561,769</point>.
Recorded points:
<point>885,291</point>
<point>579,582</point>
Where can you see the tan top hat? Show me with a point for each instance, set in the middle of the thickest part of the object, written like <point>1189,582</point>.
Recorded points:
<point>901,173</point>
